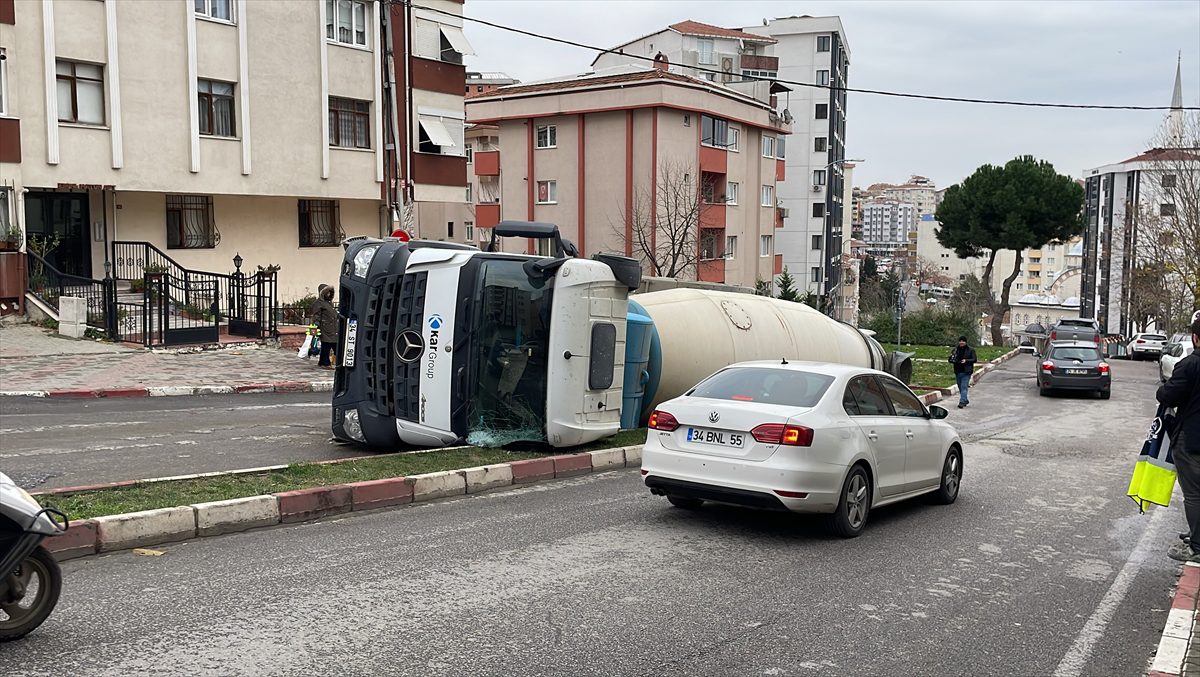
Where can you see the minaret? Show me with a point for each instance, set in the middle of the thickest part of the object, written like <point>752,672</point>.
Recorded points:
<point>1175,117</point>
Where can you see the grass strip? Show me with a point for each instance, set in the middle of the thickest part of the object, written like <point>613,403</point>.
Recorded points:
<point>983,353</point>
<point>173,493</point>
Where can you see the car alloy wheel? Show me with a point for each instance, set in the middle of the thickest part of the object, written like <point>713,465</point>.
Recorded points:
<point>947,493</point>
<point>857,501</point>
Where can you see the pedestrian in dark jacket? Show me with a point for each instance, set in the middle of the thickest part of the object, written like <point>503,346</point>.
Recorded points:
<point>1182,391</point>
<point>963,359</point>
<point>325,316</point>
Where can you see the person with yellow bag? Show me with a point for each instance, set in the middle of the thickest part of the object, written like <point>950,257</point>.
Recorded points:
<point>1182,391</point>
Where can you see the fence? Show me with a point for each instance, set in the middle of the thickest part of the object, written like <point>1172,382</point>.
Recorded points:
<point>49,284</point>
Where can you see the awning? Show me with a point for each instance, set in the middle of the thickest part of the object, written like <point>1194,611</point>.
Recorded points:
<point>438,134</point>
<point>454,35</point>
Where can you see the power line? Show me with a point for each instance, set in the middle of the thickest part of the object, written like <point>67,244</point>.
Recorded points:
<point>878,92</point>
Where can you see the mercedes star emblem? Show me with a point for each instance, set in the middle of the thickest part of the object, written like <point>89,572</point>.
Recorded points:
<point>409,346</point>
<point>714,417</point>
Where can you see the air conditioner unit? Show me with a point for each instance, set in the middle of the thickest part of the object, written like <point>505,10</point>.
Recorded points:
<point>817,187</point>
<point>783,212</point>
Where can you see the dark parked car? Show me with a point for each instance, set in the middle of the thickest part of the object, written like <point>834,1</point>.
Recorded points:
<point>1076,329</point>
<point>1074,366</point>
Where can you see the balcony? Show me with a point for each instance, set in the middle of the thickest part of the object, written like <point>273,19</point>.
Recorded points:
<point>781,213</point>
<point>780,170</point>
<point>712,215</point>
<point>487,215</point>
<point>714,160</point>
<point>487,163</point>
<point>778,264</point>
<point>760,63</point>
<point>711,270</point>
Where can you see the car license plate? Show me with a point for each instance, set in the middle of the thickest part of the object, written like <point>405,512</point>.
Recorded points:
<point>351,343</point>
<point>719,438</point>
<point>1077,372</point>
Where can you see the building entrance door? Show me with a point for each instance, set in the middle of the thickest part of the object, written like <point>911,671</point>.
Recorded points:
<point>64,216</point>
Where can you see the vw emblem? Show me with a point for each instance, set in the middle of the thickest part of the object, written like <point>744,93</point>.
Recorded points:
<point>714,417</point>
<point>409,346</point>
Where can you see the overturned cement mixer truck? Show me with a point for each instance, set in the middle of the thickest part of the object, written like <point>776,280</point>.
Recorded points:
<point>444,343</point>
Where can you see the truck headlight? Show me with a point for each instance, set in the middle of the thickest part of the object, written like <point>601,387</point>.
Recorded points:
<point>352,426</point>
<point>362,260</point>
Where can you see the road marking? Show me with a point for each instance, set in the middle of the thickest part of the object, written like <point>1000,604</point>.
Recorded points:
<point>69,426</point>
<point>1076,658</point>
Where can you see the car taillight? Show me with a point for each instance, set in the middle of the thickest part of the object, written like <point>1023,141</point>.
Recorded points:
<point>1047,366</point>
<point>661,420</point>
<point>1096,339</point>
<point>787,435</point>
<point>1140,341</point>
<point>1053,335</point>
<point>1103,366</point>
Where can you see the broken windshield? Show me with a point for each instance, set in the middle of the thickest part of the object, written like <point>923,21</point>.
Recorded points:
<point>510,337</point>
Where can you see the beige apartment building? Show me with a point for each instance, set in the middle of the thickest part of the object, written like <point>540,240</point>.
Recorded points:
<point>588,153</point>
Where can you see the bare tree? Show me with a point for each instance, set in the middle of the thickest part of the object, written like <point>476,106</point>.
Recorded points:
<point>664,221</point>
<point>925,272</point>
<point>1169,220</point>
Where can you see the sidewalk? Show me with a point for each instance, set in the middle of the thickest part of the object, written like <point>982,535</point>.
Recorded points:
<point>36,362</point>
<point>1179,649</point>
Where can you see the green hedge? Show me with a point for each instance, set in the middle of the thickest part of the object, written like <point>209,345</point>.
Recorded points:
<point>928,327</point>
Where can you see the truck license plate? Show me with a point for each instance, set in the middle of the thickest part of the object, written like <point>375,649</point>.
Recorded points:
<point>716,437</point>
<point>351,343</point>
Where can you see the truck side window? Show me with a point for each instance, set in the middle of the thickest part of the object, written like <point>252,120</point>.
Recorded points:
<point>602,362</point>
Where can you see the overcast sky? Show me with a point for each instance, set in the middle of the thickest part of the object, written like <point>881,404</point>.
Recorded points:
<point>1071,52</point>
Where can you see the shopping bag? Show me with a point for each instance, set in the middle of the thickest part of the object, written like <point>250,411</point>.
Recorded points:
<point>1154,473</point>
<point>305,348</point>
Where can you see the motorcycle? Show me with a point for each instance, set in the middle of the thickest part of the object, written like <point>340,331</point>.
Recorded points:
<point>30,578</point>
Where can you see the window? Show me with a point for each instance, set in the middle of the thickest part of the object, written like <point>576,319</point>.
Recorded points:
<point>3,82</point>
<point>547,192</point>
<point>814,274</point>
<point>903,401</point>
<point>320,223</point>
<point>708,244</point>
<point>731,142</point>
<point>765,245</point>
<point>823,78</point>
<point>80,92</point>
<point>865,397</point>
<point>221,10</point>
<point>818,212</point>
<point>816,242</point>
<point>708,190</point>
<point>1166,209</point>
<point>450,230</point>
<point>469,187</point>
<point>687,120</point>
<point>346,22</point>
<point>754,74</point>
<point>215,102</point>
<point>822,111</point>
<point>1050,261</point>
<point>768,196</point>
<point>708,56</point>
<point>731,246</point>
<point>190,222</point>
<point>547,136</point>
<point>5,208</point>
<point>439,135</point>
<point>731,192</point>
<point>349,123</point>
<point>823,42</point>
<point>768,146</point>
<point>469,230</point>
<point>820,144</point>
<point>819,177</point>
<point>714,131</point>
<point>779,146</point>
<point>470,155</point>
<point>1168,181</point>
<point>782,387</point>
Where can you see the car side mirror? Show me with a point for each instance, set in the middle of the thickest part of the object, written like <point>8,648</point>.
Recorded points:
<point>938,413</point>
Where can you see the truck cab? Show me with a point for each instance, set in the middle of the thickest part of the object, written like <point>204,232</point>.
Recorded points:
<point>445,343</point>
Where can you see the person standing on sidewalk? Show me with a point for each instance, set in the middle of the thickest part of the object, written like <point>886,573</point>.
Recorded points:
<point>1182,391</point>
<point>963,359</point>
<point>325,316</point>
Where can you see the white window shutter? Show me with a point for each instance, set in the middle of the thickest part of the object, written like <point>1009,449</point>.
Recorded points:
<point>428,40</point>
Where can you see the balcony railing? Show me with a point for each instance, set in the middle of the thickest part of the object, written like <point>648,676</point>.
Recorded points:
<point>760,63</point>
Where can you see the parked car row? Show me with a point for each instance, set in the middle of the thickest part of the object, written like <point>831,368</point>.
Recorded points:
<point>1179,347</point>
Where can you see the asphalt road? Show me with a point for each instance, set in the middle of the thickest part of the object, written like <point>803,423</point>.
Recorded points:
<point>49,443</point>
<point>1042,567</point>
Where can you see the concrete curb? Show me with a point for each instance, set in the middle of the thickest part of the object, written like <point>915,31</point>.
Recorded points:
<point>165,525</point>
<point>1171,658</point>
<point>177,391</point>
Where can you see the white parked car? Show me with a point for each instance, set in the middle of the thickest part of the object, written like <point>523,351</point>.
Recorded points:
<point>801,436</point>
<point>1146,346</point>
<point>1174,352</point>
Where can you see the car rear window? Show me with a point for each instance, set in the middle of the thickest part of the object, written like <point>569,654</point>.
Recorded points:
<point>1076,323</point>
<point>769,386</point>
<point>1154,337</point>
<point>1083,354</point>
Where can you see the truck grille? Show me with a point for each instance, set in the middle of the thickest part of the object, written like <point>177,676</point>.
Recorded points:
<point>406,378</point>
<point>376,340</point>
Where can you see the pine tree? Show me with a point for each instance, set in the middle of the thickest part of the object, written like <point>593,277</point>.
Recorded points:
<point>787,287</point>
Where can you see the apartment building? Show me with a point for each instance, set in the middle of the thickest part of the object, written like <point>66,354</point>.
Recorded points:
<point>886,225</point>
<point>212,128</point>
<point>813,50</point>
<point>761,61</point>
<point>633,160</point>
<point>918,190</point>
<point>480,82</point>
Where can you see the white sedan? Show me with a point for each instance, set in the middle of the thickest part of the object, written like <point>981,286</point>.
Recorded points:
<point>801,436</point>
